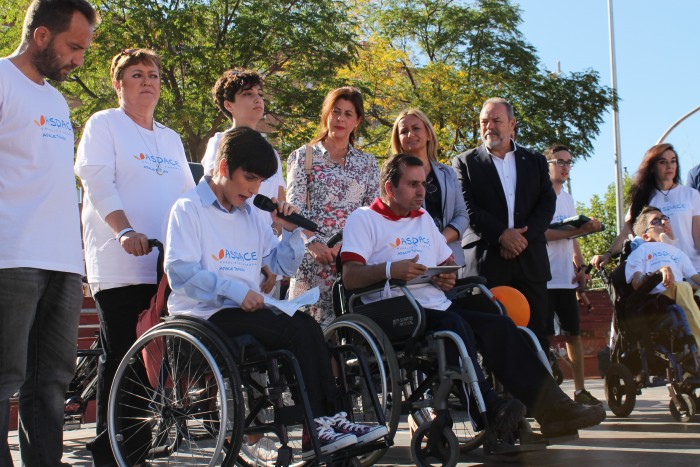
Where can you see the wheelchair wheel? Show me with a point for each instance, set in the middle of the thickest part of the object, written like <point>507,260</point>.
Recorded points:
<point>428,452</point>
<point>191,416</point>
<point>467,436</point>
<point>620,389</point>
<point>365,334</point>
<point>687,408</point>
<point>268,450</point>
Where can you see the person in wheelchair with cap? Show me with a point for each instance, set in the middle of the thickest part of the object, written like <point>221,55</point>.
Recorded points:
<point>393,239</point>
<point>216,246</point>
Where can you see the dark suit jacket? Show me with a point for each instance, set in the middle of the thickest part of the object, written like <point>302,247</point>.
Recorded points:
<point>535,202</point>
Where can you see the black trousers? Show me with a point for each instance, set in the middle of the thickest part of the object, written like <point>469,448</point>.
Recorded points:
<point>301,335</point>
<point>512,360</point>
<point>535,292</point>
<point>119,309</point>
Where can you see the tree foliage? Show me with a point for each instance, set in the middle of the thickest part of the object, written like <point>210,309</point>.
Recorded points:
<point>603,209</point>
<point>448,56</point>
<point>297,45</point>
<point>443,56</point>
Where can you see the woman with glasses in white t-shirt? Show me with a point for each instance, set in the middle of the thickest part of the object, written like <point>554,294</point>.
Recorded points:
<point>132,169</point>
<point>414,134</point>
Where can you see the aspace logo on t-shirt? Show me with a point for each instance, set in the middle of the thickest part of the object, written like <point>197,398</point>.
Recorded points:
<point>662,255</point>
<point>158,164</point>
<point>674,208</point>
<point>412,244</point>
<point>55,128</point>
<point>234,260</point>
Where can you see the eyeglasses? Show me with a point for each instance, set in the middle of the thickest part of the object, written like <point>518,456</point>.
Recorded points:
<point>430,186</point>
<point>561,162</point>
<point>657,222</point>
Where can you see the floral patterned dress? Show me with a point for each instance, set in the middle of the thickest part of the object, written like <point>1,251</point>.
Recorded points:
<point>335,192</point>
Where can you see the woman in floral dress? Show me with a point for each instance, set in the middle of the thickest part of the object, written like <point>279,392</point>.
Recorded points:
<point>340,180</point>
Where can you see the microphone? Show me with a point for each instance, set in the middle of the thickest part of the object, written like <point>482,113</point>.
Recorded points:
<point>266,204</point>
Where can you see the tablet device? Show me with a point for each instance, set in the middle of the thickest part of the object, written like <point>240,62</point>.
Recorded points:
<point>430,272</point>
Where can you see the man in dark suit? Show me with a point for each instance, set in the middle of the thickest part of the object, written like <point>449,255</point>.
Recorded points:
<point>510,202</point>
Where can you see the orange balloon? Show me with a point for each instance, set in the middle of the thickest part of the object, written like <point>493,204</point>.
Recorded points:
<point>515,303</point>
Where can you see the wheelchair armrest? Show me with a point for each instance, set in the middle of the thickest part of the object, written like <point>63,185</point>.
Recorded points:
<point>471,280</point>
<point>377,286</point>
<point>639,295</point>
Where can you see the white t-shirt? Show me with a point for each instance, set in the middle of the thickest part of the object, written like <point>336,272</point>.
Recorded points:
<point>122,168</point>
<point>683,203</point>
<point>650,256</point>
<point>39,218</point>
<point>375,238</point>
<point>202,234</point>
<point>561,252</point>
<point>508,174</point>
<point>269,187</point>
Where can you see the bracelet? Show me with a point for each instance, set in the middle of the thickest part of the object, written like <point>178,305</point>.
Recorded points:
<point>387,270</point>
<point>310,240</point>
<point>124,232</point>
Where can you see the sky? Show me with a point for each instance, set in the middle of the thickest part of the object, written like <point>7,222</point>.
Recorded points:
<point>658,74</point>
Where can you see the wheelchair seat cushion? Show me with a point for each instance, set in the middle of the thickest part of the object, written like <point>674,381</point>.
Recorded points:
<point>395,316</point>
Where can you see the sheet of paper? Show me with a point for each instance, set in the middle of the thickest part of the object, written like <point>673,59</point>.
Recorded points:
<point>291,306</point>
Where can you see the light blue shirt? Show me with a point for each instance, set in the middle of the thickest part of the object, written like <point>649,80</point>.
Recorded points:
<point>198,221</point>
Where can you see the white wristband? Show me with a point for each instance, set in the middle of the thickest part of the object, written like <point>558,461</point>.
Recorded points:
<point>310,239</point>
<point>387,271</point>
<point>124,232</point>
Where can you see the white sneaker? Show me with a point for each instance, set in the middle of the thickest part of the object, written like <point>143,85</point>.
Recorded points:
<point>364,433</point>
<point>330,440</point>
<point>263,452</point>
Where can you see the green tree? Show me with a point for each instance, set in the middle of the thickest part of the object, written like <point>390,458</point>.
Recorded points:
<point>448,56</point>
<point>605,211</point>
<point>296,44</point>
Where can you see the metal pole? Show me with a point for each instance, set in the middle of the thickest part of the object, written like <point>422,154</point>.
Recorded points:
<point>678,122</point>
<point>616,124</point>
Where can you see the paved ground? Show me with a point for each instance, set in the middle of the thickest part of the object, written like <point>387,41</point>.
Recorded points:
<point>648,437</point>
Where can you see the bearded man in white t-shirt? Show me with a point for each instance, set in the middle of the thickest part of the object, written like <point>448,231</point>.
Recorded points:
<point>41,261</point>
<point>394,239</point>
<point>568,269</point>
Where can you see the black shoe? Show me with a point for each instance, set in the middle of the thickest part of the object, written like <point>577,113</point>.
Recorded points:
<point>585,397</point>
<point>505,416</point>
<point>566,416</point>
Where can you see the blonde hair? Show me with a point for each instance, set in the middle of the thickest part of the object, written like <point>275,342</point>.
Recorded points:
<point>432,137</point>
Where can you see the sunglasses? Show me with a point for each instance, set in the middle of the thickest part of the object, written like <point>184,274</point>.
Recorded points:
<point>561,163</point>
<point>430,186</point>
<point>657,222</point>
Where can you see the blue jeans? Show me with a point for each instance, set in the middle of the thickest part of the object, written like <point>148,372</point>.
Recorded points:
<point>39,315</point>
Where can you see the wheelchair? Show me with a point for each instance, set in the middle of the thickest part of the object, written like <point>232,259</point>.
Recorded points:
<point>652,347</point>
<point>410,372</point>
<point>187,394</point>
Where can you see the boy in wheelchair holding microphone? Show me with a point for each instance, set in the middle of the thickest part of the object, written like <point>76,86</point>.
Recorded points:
<point>216,246</point>
<point>373,251</point>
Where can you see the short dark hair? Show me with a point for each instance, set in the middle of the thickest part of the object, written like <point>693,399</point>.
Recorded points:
<point>230,83</point>
<point>245,148</point>
<point>55,15</point>
<point>553,149</point>
<point>392,170</point>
